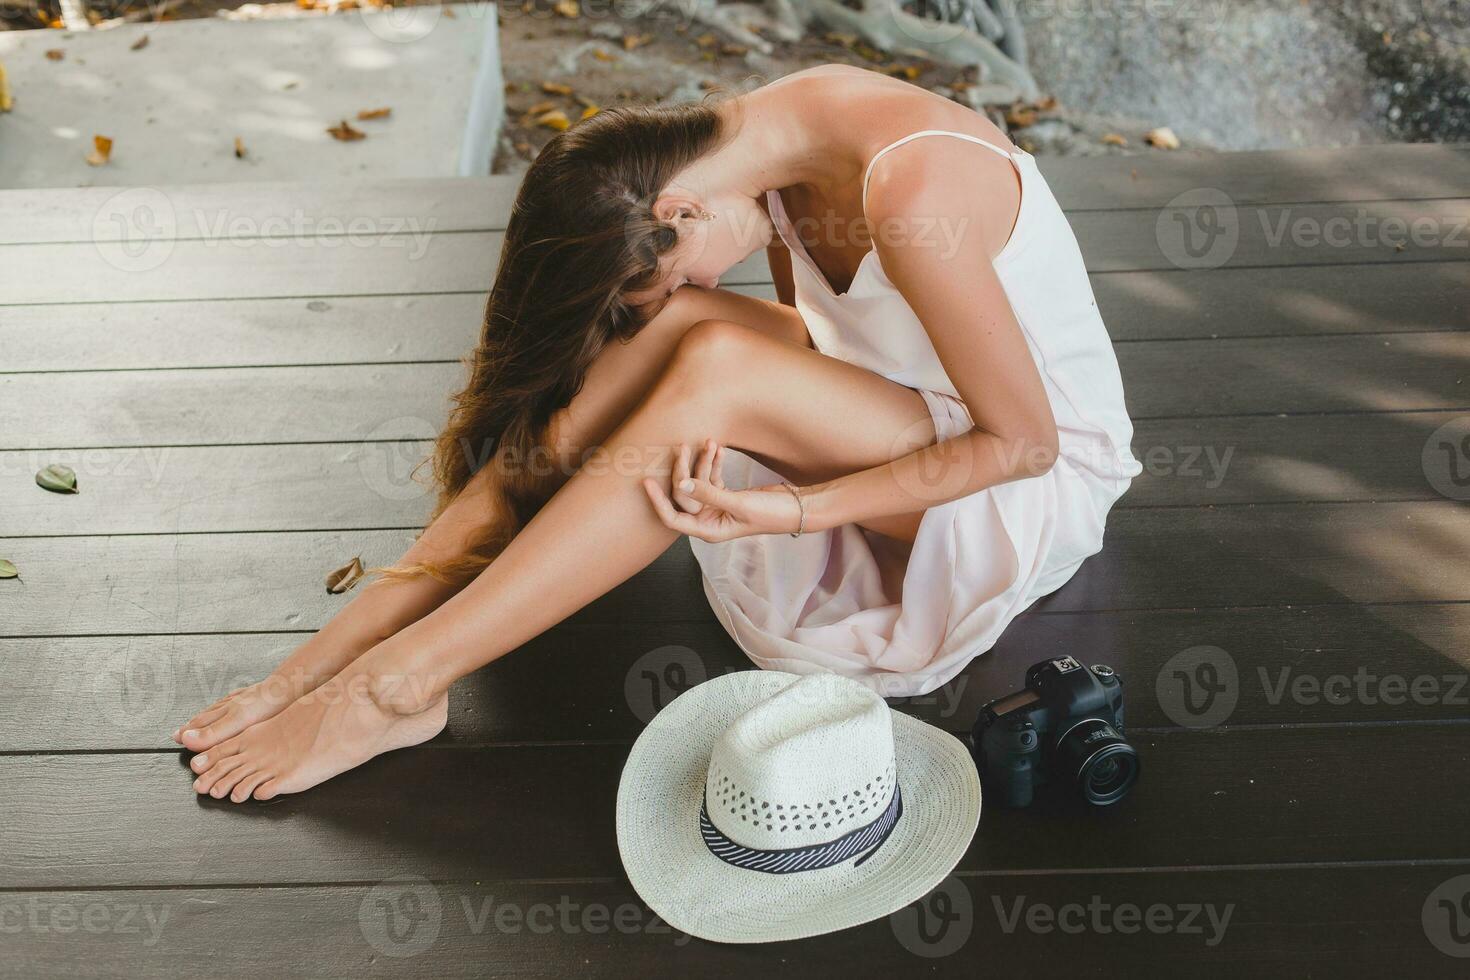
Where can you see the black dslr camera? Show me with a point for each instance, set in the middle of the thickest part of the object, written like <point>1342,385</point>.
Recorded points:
<point>1066,724</point>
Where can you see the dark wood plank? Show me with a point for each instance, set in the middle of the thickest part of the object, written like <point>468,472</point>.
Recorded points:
<point>1231,797</point>
<point>1314,665</point>
<point>1288,923</point>
<point>1111,241</point>
<point>1408,372</point>
<point>1284,302</point>
<point>409,327</point>
<point>1274,555</point>
<point>1279,375</point>
<point>1275,459</point>
<point>1364,173</point>
<point>1262,555</point>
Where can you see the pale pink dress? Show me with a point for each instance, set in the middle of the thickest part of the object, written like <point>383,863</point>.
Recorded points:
<point>818,602</point>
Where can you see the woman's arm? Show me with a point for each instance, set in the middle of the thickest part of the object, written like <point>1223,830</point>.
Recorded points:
<point>945,269</point>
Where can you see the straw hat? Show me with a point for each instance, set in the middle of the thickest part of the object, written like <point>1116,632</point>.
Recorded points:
<point>761,806</point>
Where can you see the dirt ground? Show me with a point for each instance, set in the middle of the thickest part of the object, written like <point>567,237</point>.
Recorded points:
<point>1223,74</point>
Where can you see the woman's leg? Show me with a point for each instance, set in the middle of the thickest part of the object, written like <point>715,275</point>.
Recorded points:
<point>619,378</point>
<point>799,410</point>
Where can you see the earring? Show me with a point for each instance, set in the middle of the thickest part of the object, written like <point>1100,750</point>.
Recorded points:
<point>703,215</point>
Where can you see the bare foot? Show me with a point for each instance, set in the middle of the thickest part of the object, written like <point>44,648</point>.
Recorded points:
<point>334,728</point>
<point>312,664</point>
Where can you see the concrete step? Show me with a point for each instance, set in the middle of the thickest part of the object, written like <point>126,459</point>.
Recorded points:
<point>175,106</point>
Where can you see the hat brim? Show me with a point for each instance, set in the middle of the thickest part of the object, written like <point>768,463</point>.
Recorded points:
<point>692,890</point>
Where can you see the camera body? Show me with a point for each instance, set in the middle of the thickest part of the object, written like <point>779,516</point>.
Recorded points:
<point>1065,724</point>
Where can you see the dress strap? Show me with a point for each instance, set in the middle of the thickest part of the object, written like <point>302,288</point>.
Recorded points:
<point>868,174</point>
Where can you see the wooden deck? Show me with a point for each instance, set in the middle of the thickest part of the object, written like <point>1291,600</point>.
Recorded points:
<point>239,392</point>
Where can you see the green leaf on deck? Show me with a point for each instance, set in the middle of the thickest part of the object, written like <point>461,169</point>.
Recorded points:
<point>8,570</point>
<point>57,479</point>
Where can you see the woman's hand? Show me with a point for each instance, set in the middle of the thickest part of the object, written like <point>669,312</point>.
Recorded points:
<point>703,508</point>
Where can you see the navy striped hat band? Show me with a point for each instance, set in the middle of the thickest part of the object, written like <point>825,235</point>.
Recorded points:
<point>864,840</point>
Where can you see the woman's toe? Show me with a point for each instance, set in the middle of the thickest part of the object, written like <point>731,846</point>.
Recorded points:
<point>246,786</point>
<point>206,735</point>
<point>267,789</point>
<point>215,772</point>
<point>230,780</point>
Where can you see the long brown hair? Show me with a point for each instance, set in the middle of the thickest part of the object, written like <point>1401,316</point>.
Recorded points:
<point>582,232</point>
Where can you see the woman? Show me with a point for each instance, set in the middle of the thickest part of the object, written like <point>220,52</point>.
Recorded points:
<point>932,407</point>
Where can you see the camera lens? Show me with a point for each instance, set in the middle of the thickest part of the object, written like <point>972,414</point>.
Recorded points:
<point>1100,759</point>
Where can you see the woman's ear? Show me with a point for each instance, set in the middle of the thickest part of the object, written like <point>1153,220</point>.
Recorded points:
<point>675,206</point>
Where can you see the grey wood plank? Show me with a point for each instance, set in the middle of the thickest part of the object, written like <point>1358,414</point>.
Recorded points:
<point>1170,558</point>
<point>428,811</point>
<point>328,208</point>
<point>307,208</point>
<point>1403,172</point>
<point>152,490</point>
<point>408,327</point>
<point>232,405</point>
<point>268,582</point>
<point>1419,372</point>
<point>241,333</point>
<point>1283,923</point>
<point>1314,665</point>
<point>1113,241</point>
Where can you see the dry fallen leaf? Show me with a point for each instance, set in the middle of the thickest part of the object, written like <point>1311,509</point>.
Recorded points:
<point>555,119</point>
<point>8,569</point>
<point>140,44</point>
<point>344,132</point>
<point>239,148</point>
<point>588,113</point>
<point>55,54</point>
<point>706,40</point>
<point>345,577</point>
<point>1019,116</point>
<point>568,8</point>
<point>57,479</point>
<point>1163,138</point>
<point>556,88</point>
<point>1047,104</point>
<point>602,55</point>
<point>631,41</point>
<point>367,114</point>
<point>1115,139</point>
<point>6,102</point>
<point>540,107</point>
<point>101,151</point>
